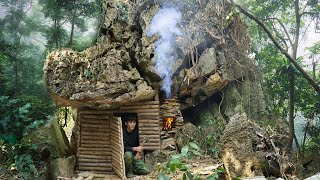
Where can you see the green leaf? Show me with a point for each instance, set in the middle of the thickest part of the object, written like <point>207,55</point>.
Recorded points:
<point>32,168</point>
<point>189,175</point>
<point>176,156</point>
<point>184,176</point>
<point>194,145</point>
<point>184,150</point>
<point>195,152</point>
<point>173,167</point>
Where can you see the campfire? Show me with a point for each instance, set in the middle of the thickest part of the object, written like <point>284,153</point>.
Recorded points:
<point>167,123</point>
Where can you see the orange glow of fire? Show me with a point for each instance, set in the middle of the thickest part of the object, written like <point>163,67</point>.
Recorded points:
<point>167,123</point>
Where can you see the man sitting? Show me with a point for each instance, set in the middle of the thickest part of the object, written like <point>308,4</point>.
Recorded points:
<point>132,149</point>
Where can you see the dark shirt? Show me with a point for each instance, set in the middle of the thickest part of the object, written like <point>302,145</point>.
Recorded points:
<point>130,139</point>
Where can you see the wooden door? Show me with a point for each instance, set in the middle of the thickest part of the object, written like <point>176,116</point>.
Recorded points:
<point>117,147</point>
<point>94,146</point>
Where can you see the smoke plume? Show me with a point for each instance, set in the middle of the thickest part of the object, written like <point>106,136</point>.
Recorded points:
<point>164,24</point>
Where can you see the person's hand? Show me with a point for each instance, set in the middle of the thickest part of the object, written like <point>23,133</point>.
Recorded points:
<point>138,156</point>
<point>138,149</point>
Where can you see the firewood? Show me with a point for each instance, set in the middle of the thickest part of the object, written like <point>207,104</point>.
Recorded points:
<point>94,160</point>
<point>87,149</point>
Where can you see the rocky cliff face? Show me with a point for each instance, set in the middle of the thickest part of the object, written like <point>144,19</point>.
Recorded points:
<point>211,55</point>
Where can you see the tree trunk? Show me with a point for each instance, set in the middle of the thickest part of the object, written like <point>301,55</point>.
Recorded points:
<point>56,33</point>
<point>72,28</point>
<point>291,107</point>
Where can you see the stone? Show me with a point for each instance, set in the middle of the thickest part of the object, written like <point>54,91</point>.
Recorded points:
<point>63,167</point>
<point>169,144</point>
<point>187,133</point>
<point>207,63</point>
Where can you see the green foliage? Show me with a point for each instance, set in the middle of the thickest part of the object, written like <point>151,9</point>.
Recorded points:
<point>17,116</point>
<point>24,164</point>
<point>21,156</point>
<point>176,162</point>
<point>212,131</point>
<point>215,176</point>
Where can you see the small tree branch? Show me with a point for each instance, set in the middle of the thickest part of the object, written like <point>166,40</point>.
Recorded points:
<point>284,29</point>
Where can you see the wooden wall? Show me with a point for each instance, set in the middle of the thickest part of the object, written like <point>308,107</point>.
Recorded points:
<point>100,138</point>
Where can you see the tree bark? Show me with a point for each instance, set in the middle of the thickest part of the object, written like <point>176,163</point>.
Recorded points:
<point>291,107</point>
<point>277,44</point>
<point>72,27</point>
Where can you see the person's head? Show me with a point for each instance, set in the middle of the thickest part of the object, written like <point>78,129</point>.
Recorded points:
<point>130,121</point>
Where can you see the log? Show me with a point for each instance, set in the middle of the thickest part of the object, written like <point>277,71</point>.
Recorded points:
<point>96,112</point>
<point>147,136</point>
<point>96,138</point>
<point>116,150</point>
<point>151,144</point>
<point>151,121</point>
<point>149,133</point>
<point>90,129</point>
<point>105,169</point>
<point>151,147</point>
<point>87,141</point>
<point>138,111</point>
<point>107,165</point>
<point>150,141</point>
<point>98,153</point>
<point>144,103</point>
<point>94,156</point>
<point>94,160</point>
<point>88,149</point>
<point>148,114</point>
<point>117,166</point>
<point>95,116</point>
<point>94,133</point>
<point>135,106</point>
<point>96,125</point>
<point>95,145</point>
<point>119,173</point>
<point>116,160</point>
<point>114,126</point>
<point>94,121</point>
<point>143,116</point>
<point>144,128</point>
<point>116,156</point>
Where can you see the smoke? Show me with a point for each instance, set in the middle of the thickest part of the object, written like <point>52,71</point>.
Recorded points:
<point>164,24</point>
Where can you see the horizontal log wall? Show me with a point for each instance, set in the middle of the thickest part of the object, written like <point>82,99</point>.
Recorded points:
<point>100,146</point>
<point>94,146</point>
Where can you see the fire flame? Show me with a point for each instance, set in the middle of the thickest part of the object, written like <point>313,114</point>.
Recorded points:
<point>167,123</point>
